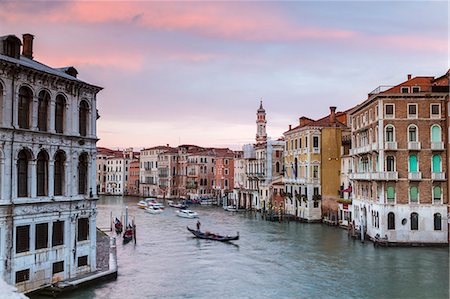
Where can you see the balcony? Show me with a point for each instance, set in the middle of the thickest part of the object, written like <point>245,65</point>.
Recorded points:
<point>438,176</point>
<point>390,146</point>
<point>385,176</point>
<point>375,146</point>
<point>366,176</point>
<point>437,146</point>
<point>316,150</point>
<point>361,150</point>
<point>414,146</point>
<point>415,176</point>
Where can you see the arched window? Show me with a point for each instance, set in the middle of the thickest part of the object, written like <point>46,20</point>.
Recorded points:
<point>391,220</point>
<point>437,193</point>
<point>42,173</point>
<point>437,221</point>
<point>83,118</point>
<point>44,99</point>
<point>413,194</point>
<point>390,163</point>
<point>436,167</point>
<point>389,134</point>
<point>24,108</point>
<point>82,173</point>
<point>436,133</point>
<point>390,193</point>
<point>413,163</point>
<point>22,173</point>
<point>60,159</point>
<point>277,167</point>
<point>59,114</point>
<point>412,133</point>
<point>414,221</point>
<point>377,220</point>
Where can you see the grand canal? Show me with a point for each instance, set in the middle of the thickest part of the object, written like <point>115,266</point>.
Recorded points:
<point>271,260</point>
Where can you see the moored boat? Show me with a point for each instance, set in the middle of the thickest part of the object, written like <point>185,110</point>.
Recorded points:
<point>231,208</point>
<point>211,236</point>
<point>118,226</point>
<point>142,204</point>
<point>184,213</point>
<point>128,235</point>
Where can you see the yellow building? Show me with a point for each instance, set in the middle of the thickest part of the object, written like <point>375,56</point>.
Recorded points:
<point>312,161</point>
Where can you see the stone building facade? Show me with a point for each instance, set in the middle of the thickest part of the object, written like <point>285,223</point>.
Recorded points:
<point>149,179</point>
<point>399,151</point>
<point>47,169</point>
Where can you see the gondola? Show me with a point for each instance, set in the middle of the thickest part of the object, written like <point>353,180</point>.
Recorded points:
<point>128,235</point>
<point>211,236</point>
<point>118,226</point>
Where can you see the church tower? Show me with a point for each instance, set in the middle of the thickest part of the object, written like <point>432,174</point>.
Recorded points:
<point>261,135</point>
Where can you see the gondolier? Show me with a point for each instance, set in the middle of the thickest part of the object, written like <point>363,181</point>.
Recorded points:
<point>198,225</point>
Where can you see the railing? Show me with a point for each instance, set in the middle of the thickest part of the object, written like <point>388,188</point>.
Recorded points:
<point>390,145</point>
<point>316,150</point>
<point>438,176</point>
<point>360,150</point>
<point>414,145</point>
<point>374,146</point>
<point>379,89</point>
<point>437,146</point>
<point>360,176</point>
<point>385,176</point>
<point>415,176</point>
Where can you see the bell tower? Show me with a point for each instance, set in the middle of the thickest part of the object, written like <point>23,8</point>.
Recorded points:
<point>261,135</point>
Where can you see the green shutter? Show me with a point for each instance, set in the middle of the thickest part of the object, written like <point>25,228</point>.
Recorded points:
<point>435,134</point>
<point>436,163</point>
<point>413,194</point>
<point>437,193</point>
<point>391,193</point>
<point>413,163</point>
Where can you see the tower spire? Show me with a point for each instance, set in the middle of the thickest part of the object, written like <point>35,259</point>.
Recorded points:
<point>261,135</point>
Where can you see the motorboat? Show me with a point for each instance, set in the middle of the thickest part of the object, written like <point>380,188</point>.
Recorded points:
<point>153,210</point>
<point>211,236</point>
<point>184,213</point>
<point>231,208</point>
<point>142,204</point>
<point>177,205</point>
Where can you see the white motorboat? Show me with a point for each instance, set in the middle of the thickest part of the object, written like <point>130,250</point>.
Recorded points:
<point>187,214</point>
<point>231,208</point>
<point>153,210</point>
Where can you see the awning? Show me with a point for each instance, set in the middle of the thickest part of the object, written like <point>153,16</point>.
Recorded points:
<point>348,190</point>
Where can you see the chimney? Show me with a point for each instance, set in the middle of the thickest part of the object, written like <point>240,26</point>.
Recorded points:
<point>27,50</point>
<point>167,145</point>
<point>290,127</point>
<point>409,76</point>
<point>332,114</point>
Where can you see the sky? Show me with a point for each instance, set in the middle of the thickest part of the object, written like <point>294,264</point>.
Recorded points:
<point>194,72</point>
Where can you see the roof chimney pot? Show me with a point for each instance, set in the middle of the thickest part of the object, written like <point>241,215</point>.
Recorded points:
<point>290,127</point>
<point>332,114</point>
<point>409,76</point>
<point>27,50</point>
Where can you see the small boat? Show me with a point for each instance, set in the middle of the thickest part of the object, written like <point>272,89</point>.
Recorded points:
<point>177,205</point>
<point>184,213</point>
<point>230,208</point>
<point>142,204</point>
<point>118,226</point>
<point>210,236</point>
<point>154,203</point>
<point>153,210</point>
<point>128,235</point>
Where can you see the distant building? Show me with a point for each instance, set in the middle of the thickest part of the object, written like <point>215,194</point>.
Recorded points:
<point>117,171</point>
<point>48,169</point>
<point>149,179</point>
<point>133,178</point>
<point>400,157</point>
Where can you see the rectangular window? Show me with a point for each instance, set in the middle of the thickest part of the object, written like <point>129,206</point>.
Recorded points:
<point>23,275</point>
<point>41,240</point>
<point>315,141</point>
<point>435,111</point>
<point>412,110</point>
<point>416,89</point>
<point>58,267</point>
<point>22,238</point>
<point>404,90</point>
<point>83,229</point>
<point>315,171</point>
<point>58,233</point>
<point>389,111</point>
<point>82,261</point>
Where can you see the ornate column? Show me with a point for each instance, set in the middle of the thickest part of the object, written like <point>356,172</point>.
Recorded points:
<point>51,124</point>
<point>34,113</point>
<point>33,178</point>
<point>51,178</point>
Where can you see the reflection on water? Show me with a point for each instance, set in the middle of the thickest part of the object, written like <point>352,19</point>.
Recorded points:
<point>284,260</point>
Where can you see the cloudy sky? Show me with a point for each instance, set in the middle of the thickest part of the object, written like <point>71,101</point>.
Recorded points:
<point>194,72</point>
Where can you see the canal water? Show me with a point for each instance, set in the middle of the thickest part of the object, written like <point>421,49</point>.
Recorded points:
<point>271,260</point>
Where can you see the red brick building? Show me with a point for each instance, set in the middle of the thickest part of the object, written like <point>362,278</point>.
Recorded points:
<point>133,178</point>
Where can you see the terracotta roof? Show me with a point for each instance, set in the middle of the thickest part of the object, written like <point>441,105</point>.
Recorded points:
<point>158,147</point>
<point>323,122</point>
<point>423,82</point>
